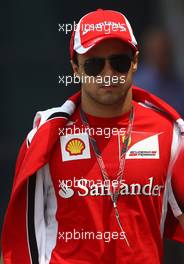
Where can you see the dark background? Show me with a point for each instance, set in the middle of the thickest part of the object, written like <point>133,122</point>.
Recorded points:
<point>32,55</point>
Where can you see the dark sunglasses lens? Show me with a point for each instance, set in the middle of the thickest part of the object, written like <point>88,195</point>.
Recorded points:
<point>93,67</point>
<point>120,63</point>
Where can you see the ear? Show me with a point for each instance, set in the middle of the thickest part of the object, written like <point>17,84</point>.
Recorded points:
<point>135,61</point>
<point>75,67</point>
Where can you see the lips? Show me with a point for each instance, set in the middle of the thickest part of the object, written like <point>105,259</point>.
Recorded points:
<point>112,86</point>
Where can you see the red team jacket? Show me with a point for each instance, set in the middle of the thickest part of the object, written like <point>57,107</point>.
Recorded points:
<point>60,213</point>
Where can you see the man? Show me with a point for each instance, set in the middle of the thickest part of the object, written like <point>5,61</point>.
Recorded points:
<point>82,195</point>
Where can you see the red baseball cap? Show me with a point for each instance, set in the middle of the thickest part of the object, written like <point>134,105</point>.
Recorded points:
<point>100,25</point>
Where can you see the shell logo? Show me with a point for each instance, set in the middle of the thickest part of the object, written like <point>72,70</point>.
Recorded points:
<point>75,146</point>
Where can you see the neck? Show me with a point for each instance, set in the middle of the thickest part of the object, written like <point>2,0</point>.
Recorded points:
<point>94,108</point>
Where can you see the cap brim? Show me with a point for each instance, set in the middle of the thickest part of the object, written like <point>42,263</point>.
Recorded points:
<point>92,43</point>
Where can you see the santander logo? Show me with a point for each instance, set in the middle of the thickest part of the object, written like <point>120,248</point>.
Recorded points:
<point>82,187</point>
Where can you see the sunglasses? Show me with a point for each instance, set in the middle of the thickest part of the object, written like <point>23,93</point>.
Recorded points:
<point>120,63</point>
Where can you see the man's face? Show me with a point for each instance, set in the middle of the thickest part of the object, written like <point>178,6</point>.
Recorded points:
<point>109,86</point>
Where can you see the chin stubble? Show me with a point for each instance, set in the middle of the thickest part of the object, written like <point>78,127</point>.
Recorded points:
<point>109,99</point>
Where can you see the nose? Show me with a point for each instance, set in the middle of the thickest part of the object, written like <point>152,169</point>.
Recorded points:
<point>107,70</point>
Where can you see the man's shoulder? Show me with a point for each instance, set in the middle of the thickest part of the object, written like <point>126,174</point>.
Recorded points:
<point>55,112</point>
<point>42,118</point>
<point>154,116</point>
